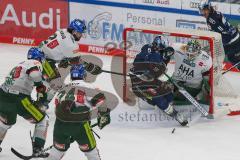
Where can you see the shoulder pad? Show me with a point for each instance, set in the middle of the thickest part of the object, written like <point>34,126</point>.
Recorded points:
<point>218,14</point>
<point>146,47</point>
<point>204,55</point>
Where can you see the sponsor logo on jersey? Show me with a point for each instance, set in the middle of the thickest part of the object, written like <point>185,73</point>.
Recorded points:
<point>53,44</point>
<point>190,63</point>
<point>187,72</point>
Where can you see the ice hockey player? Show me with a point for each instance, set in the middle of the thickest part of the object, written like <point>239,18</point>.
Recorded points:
<point>230,35</point>
<point>15,98</point>
<point>61,51</point>
<point>74,107</point>
<point>192,70</point>
<point>148,66</point>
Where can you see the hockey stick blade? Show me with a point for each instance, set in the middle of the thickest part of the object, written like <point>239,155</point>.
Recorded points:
<point>19,155</point>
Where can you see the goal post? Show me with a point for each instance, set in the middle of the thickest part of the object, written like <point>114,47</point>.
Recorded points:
<point>135,38</point>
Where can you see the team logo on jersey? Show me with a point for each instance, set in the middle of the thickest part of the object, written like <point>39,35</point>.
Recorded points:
<point>200,64</point>
<point>190,63</point>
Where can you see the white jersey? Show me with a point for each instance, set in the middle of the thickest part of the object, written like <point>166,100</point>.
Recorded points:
<point>23,77</point>
<point>60,45</point>
<point>191,72</point>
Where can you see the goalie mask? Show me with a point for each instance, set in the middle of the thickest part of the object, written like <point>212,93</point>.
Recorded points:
<point>159,43</point>
<point>193,49</point>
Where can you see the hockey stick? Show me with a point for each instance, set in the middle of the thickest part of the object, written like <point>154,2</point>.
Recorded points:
<point>116,73</point>
<point>36,155</point>
<point>237,64</point>
<point>189,97</point>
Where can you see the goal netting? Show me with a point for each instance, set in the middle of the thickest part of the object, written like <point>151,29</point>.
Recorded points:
<point>211,42</point>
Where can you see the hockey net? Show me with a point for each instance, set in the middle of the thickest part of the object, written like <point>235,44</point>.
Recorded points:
<point>134,39</point>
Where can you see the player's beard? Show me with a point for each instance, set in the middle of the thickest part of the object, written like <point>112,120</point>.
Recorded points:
<point>76,38</point>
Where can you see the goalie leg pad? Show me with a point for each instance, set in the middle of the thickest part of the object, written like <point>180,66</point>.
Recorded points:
<point>93,154</point>
<point>40,132</point>
<point>55,154</point>
<point>3,130</point>
<point>163,101</point>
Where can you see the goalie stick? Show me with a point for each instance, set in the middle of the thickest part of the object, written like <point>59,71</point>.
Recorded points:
<point>189,97</point>
<point>36,155</point>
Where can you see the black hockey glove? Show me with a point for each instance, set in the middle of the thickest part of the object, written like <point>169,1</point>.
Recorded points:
<point>104,119</point>
<point>64,63</point>
<point>92,68</point>
<point>168,52</point>
<point>69,61</point>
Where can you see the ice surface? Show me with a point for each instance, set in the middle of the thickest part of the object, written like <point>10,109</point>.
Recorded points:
<point>133,137</point>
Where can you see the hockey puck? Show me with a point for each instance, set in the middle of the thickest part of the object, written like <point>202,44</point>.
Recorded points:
<point>173,131</point>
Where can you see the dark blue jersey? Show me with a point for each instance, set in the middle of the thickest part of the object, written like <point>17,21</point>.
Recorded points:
<point>218,23</point>
<point>149,62</point>
<point>148,55</point>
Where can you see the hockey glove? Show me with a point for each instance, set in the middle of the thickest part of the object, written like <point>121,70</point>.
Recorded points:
<point>168,53</point>
<point>69,61</point>
<point>64,63</point>
<point>75,60</point>
<point>104,119</point>
<point>92,68</point>
<point>41,93</point>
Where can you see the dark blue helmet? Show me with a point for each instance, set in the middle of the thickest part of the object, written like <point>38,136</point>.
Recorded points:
<point>78,25</point>
<point>204,5</point>
<point>35,53</point>
<point>78,72</point>
<point>160,43</point>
